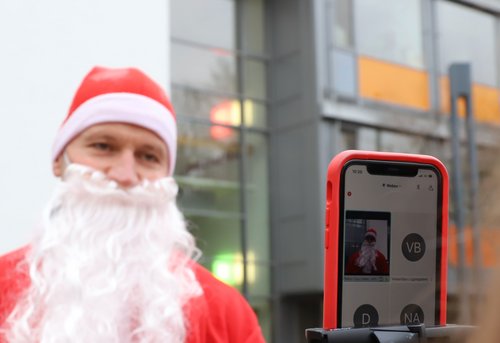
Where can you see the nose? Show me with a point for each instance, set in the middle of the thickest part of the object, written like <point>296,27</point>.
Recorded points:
<point>124,170</point>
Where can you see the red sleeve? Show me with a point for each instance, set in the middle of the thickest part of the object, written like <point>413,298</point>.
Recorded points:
<point>351,267</point>
<point>228,317</point>
<point>382,266</point>
<point>13,281</point>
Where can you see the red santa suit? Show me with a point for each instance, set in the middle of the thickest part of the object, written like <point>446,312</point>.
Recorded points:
<point>380,264</point>
<point>220,315</point>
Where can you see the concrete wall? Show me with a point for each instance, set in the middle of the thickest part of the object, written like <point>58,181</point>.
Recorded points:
<point>296,168</point>
<point>294,161</point>
<point>46,49</point>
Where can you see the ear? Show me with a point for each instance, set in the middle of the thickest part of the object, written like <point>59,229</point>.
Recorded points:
<point>57,166</point>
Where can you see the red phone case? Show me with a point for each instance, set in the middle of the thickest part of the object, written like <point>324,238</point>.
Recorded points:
<point>332,220</point>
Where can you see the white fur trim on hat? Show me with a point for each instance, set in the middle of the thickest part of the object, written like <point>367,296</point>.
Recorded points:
<point>129,108</point>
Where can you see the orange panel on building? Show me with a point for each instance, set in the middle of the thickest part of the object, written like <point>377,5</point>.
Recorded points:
<point>392,83</point>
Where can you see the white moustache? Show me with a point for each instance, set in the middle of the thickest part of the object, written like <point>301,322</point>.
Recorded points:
<point>84,178</point>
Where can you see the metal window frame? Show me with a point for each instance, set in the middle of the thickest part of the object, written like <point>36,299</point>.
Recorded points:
<point>241,56</point>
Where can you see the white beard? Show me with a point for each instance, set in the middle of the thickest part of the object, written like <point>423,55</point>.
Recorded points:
<point>367,258</point>
<point>110,265</point>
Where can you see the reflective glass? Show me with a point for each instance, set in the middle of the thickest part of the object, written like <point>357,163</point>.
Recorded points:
<point>193,103</point>
<point>342,23</point>
<point>209,22</point>
<point>259,278</point>
<point>209,195</point>
<point>255,114</point>
<point>208,154</point>
<point>219,240</point>
<point>257,204</point>
<point>262,308</point>
<point>202,68</point>
<point>254,79</point>
<point>253,26</point>
<point>390,30</point>
<point>218,110</point>
<point>257,195</point>
<point>344,73</point>
<point>474,42</point>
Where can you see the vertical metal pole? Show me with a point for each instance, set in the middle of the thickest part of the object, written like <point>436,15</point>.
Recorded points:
<point>460,87</point>
<point>474,190</point>
<point>456,92</point>
<point>242,161</point>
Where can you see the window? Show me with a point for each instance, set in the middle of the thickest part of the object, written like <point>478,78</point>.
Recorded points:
<point>219,94</point>
<point>207,22</point>
<point>342,23</point>
<point>474,42</point>
<point>390,30</point>
<point>378,52</point>
<point>211,69</point>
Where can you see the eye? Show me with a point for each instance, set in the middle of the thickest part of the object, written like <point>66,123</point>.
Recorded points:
<point>150,157</point>
<point>101,146</point>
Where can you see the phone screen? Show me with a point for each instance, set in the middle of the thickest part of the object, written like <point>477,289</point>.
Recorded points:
<point>389,240</point>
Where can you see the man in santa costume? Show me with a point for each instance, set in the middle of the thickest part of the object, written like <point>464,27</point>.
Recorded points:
<point>368,259</point>
<point>112,260</point>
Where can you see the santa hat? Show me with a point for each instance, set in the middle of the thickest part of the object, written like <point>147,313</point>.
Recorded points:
<point>124,95</point>
<point>371,232</point>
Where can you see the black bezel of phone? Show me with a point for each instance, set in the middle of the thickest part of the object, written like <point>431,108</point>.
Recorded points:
<point>394,168</point>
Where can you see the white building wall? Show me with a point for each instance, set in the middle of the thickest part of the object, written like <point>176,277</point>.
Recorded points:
<point>46,47</point>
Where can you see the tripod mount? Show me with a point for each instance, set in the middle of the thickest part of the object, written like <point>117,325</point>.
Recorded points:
<point>417,333</point>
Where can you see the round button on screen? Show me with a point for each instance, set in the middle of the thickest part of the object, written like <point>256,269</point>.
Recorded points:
<point>413,247</point>
<point>412,314</point>
<point>365,316</point>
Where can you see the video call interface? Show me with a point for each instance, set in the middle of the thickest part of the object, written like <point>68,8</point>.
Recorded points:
<point>389,256</point>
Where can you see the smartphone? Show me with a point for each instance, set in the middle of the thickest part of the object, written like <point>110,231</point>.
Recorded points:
<point>385,240</point>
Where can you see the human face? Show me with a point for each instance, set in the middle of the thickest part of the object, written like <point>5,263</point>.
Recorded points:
<point>370,240</point>
<point>127,154</point>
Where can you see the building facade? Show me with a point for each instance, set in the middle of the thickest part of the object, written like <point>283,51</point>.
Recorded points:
<point>268,91</point>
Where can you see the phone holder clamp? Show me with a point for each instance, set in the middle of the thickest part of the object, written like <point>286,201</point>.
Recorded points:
<point>417,333</point>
